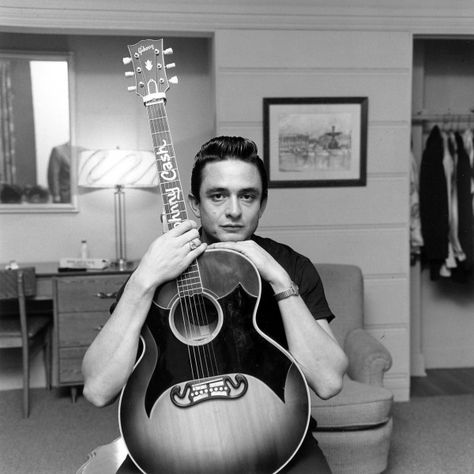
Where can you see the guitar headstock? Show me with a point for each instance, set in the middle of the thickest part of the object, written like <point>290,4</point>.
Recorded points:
<point>149,69</point>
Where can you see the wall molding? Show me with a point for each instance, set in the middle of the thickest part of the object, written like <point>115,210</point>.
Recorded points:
<point>314,71</point>
<point>190,18</point>
<point>325,228</point>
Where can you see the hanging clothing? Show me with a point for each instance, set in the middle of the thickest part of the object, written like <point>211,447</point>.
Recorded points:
<point>451,153</point>
<point>416,239</point>
<point>434,213</point>
<point>464,206</point>
<point>449,174</point>
<point>468,141</point>
<point>446,204</point>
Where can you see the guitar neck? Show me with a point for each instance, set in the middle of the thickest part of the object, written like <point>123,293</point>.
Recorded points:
<point>170,183</point>
<point>189,282</point>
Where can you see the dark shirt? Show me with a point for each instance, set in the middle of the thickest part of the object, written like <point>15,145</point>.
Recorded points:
<point>304,274</point>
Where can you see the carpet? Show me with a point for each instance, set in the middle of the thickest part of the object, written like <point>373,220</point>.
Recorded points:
<point>431,434</point>
<point>57,436</point>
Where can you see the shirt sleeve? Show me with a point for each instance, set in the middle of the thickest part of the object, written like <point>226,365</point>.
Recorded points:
<point>312,290</point>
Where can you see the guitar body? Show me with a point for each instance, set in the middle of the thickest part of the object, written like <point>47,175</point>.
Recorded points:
<point>210,392</point>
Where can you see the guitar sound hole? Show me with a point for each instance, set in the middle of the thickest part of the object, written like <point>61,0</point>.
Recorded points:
<point>196,320</point>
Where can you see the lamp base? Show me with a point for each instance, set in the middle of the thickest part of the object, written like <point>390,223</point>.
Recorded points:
<point>122,265</point>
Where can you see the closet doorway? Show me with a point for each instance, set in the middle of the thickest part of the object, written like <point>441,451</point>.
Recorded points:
<point>442,309</point>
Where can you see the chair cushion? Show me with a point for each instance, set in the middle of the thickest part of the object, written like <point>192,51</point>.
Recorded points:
<point>357,406</point>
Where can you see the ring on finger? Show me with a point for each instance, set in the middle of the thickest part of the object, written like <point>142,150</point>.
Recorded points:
<point>192,246</point>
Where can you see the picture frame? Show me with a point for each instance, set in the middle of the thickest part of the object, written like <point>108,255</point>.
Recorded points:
<point>315,141</point>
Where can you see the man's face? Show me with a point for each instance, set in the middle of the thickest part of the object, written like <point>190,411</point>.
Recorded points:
<point>230,201</point>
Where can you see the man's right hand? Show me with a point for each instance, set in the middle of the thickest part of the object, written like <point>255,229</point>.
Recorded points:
<point>170,255</point>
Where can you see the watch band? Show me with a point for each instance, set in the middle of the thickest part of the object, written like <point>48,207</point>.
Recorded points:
<point>291,291</point>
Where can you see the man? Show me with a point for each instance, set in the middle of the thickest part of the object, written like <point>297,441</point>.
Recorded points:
<point>59,173</point>
<point>229,195</point>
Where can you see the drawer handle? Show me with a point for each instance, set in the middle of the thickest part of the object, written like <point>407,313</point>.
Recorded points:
<point>103,296</point>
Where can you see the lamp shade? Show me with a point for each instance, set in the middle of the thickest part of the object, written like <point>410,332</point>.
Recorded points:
<point>112,168</point>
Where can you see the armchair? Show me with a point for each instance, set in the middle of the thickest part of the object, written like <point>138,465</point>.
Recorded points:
<point>355,426</point>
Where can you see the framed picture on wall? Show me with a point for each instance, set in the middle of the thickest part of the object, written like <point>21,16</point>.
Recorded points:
<point>315,142</point>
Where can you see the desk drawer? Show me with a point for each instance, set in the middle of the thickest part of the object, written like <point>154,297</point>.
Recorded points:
<point>76,294</point>
<point>80,329</point>
<point>70,363</point>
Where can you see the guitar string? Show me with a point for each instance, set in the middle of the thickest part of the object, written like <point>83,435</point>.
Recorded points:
<point>204,364</point>
<point>212,360</point>
<point>197,310</point>
<point>188,314</point>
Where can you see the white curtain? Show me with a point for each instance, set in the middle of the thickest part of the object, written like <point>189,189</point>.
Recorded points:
<point>7,140</point>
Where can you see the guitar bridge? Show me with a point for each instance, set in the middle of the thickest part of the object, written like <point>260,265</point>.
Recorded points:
<point>226,387</point>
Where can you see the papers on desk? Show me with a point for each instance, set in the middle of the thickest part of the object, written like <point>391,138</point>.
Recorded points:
<point>70,263</point>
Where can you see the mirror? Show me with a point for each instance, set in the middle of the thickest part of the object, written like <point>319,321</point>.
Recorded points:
<point>37,159</point>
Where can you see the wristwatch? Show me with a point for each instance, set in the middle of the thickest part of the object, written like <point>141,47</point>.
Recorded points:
<point>293,290</point>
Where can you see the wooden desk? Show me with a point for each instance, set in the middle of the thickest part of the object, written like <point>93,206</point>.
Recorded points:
<point>46,271</point>
<point>81,303</point>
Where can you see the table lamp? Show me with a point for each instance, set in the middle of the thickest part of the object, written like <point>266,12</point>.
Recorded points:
<point>118,169</point>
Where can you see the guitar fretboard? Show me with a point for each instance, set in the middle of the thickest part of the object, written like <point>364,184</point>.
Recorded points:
<point>171,188</point>
<point>168,173</point>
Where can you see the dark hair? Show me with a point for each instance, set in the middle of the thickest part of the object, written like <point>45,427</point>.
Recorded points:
<point>227,148</point>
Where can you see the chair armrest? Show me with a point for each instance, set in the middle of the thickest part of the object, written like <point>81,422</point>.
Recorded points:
<point>368,358</point>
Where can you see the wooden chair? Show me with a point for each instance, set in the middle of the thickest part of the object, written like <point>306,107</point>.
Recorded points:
<point>20,329</point>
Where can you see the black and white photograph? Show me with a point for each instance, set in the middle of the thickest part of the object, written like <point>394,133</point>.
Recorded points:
<point>236,237</point>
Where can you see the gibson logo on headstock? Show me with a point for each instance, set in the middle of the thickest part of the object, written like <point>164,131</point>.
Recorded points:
<point>142,49</point>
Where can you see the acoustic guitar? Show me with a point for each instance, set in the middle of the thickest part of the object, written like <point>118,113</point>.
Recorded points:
<point>210,392</point>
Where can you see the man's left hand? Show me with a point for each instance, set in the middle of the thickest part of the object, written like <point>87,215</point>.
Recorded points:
<point>270,270</point>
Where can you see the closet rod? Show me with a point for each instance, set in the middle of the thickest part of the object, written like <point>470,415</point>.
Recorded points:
<point>420,117</point>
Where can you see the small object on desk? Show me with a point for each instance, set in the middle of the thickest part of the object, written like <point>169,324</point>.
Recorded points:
<point>12,265</point>
<point>83,264</point>
<point>84,250</point>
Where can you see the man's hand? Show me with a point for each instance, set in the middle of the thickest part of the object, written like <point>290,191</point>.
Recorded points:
<point>270,270</point>
<point>170,255</point>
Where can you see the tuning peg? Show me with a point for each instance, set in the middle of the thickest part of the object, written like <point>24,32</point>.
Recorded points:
<point>170,66</point>
<point>129,73</point>
<point>168,51</point>
<point>126,60</point>
<point>173,80</point>
<point>132,88</point>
